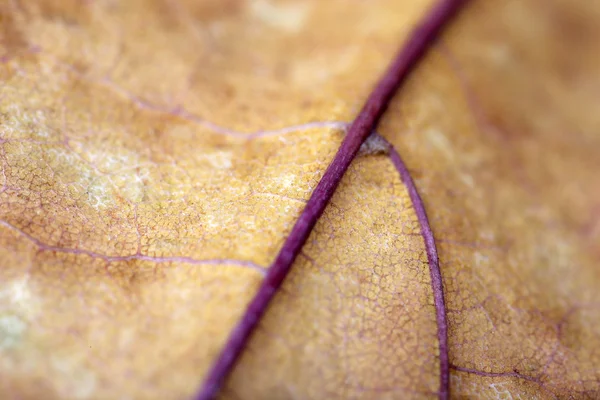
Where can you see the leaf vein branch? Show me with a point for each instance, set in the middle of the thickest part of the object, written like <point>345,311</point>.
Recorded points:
<point>419,41</point>
<point>135,257</point>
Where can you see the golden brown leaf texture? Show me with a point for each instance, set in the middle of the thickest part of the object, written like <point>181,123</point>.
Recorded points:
<point>499,129</point>
<point>154,155</point>
<point>136,215</point>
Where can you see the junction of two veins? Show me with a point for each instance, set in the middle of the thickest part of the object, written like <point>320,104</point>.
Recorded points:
<point>417,45</point>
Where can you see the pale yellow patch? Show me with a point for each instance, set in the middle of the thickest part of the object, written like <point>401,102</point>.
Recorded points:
<point>287,17</point>
<point>11,330</point>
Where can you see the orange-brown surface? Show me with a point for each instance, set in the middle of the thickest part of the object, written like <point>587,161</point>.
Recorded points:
<point>155,154</point>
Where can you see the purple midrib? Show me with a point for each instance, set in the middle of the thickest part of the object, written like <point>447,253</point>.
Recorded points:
<point>418,43</point>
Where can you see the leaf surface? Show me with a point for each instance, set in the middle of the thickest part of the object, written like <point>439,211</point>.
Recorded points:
<point>155,155</point>
<point>498,131</point>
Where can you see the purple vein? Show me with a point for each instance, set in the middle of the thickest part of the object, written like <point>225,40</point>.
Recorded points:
<point>142,257</point>
<point>185,115</point>
<point>434,271</point>
<point>182,113</point>
<point>421,38</point>
<point>512,374</point>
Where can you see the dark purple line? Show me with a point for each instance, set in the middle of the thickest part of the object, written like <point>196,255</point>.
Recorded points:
<point>496,374</point>
<point>434,271</point>
<point>418,43</point>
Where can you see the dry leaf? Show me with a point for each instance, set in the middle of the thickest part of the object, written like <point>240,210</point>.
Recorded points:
<point>155,155</point>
